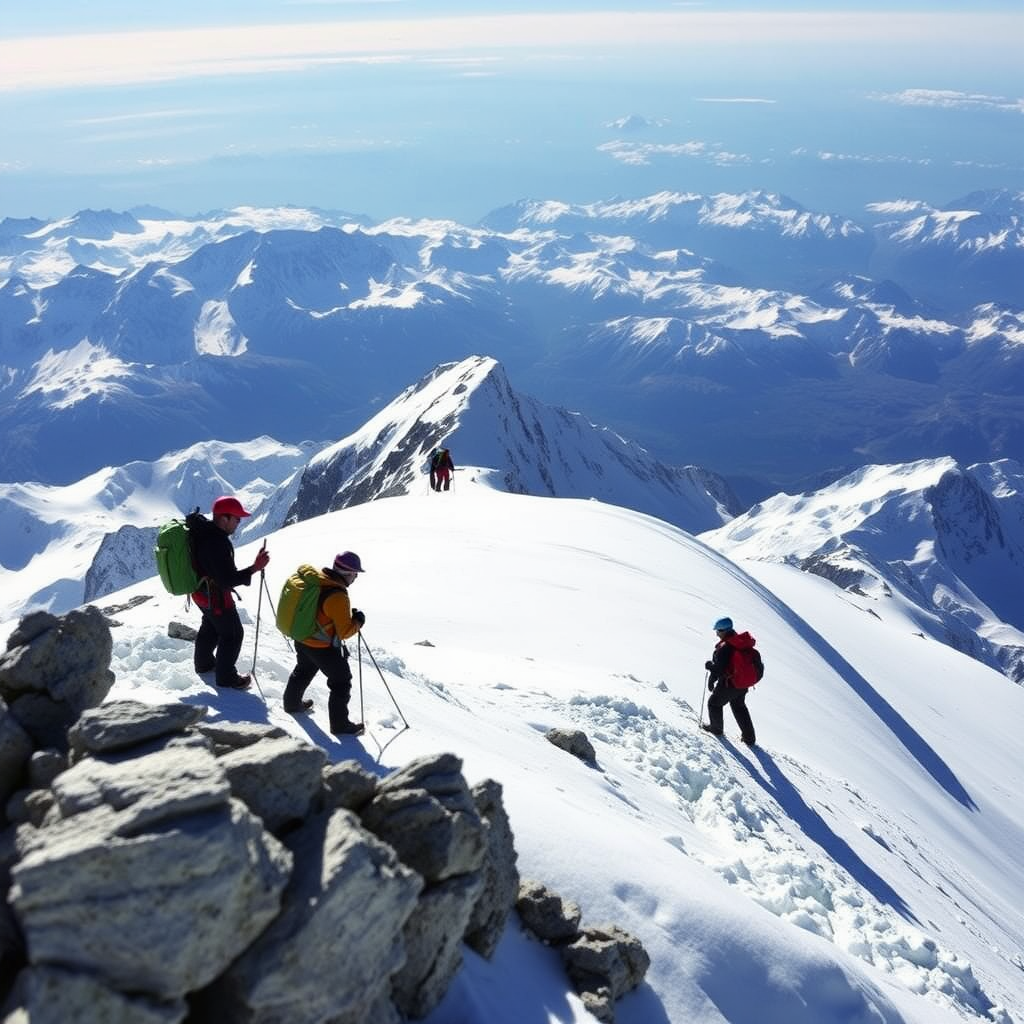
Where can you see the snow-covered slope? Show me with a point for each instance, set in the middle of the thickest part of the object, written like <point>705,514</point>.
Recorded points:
<point>860,865</point>
<point>510,440</point>
<point>63,545</point>
<point>943,541</point>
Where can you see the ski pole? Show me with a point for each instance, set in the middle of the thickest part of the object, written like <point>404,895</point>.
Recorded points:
<point>359,650</point>
<point>256,640</point>
<point>385,682</point>
<point>703,694</point>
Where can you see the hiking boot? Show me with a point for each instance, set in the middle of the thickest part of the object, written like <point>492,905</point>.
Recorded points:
<point>708,728</point>
<point>349,729</point>
<point>240,683</point>
<point>299,709</point>
<point>751,742</point>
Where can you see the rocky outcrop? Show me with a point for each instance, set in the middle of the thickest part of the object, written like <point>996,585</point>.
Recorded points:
<point>602,962</point>
<point>54,669</point>
<point>166,868</point>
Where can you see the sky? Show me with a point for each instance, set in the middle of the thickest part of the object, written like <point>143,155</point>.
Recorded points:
<point>403,108</point>
<point>859,865</point>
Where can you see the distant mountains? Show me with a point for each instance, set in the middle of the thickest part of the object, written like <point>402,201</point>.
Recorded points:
<point>775,345</point>
<point>943,541</point>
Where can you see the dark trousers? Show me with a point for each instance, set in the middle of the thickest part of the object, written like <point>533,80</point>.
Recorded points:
<point>218,644</point>
<point>737,699</point>
<point>334,664</point>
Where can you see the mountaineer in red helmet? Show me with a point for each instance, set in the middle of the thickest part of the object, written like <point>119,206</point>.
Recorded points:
<point>213,555</point>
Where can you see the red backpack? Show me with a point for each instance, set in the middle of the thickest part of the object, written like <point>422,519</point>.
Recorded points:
<point>746,666</point>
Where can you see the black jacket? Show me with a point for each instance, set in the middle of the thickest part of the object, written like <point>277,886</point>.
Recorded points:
<point>213,554</point>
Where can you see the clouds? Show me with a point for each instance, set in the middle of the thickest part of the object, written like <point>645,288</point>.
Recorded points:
<point>949,99</point>
<point>639,154</point>
<point>73,61</point>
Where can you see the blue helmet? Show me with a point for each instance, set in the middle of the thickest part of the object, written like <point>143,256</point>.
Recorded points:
<point>725,623</point>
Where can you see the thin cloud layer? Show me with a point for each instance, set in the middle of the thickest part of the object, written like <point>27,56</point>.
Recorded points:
<point>640,154</point>
<point>949,99</point>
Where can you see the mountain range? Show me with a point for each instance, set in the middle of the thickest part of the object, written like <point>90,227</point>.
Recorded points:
<point>775,345</point>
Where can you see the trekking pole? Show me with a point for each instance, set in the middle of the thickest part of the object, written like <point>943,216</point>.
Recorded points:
<point>703,694</point>
<point>256,641</point>
<point>359,650</point>
<point>385,682</point>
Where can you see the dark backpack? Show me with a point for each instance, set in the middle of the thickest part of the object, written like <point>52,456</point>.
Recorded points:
<point>747,667</point>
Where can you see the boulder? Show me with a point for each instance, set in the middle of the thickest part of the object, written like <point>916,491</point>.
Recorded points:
<point>15,751</point>
<point>500,875</point>
<point>120,724</point>
<point>546,914</point>
<point>277,779</point>
<point>433,943</point>
<point>573,741</point>
<point>604,963</point>
<point>227,736</point>
<point>426,813</point>
<point>54,669</point>
<point>44,766</point>
<point>348,785</point>
<point>330,954</point>
<point>153,880</point>
<point>50,995</point>
<point>179,631</point>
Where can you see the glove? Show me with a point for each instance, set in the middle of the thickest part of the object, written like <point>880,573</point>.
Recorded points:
<point>358,617</point>
<point>708,665</point>
<point>262,557</point>
<point>711,687</point>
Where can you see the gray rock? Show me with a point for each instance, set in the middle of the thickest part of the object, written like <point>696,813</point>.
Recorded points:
<point>202,887</point>
<point>119,724</point>
<point>348,785</point>
<point>605,962</point>
<point>546,914</point>
<point>170,741</point>
<point>179,631</point>
<point>50,995</point>
<point>226,736</point>
<point>44,766</point>
<point>277,779</point>
<point>500,875</point>
<point>29,806</point>
<point>433,943</point>
<point>574,741</point>
<point>156,787</point>
<point>15,751</point>
<point>15,811</point>
<point>330,954</point>
<point>426,813</point>
<point>54,669</point>
<point>12,947</point>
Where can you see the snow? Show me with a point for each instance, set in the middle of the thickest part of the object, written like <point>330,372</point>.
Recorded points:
<point>861,865</point>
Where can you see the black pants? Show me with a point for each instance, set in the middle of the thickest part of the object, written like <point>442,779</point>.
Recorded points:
<point>334,664</point>
<point>218,644</point>
<point>726,694</point>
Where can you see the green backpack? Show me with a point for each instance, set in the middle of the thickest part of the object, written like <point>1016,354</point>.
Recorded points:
<point>300,601</point>
<point>174,559</point>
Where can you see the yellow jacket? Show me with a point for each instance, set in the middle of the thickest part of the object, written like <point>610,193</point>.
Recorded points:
<point>334,618</point>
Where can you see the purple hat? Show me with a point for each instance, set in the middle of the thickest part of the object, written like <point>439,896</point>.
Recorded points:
<point>348,561</point>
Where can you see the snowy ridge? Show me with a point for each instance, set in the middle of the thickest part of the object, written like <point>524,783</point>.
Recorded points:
<point>509,441</point>
<point>942,540</point>
<point>860,864</point>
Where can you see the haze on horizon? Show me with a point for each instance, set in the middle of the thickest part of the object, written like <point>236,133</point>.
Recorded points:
<point>392,107</point>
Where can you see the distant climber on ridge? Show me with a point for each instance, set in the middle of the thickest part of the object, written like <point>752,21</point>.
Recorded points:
<point>735,666</point>
<point>441,468</point>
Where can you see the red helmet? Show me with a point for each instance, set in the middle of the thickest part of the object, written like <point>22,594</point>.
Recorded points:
<point>227,506</point>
